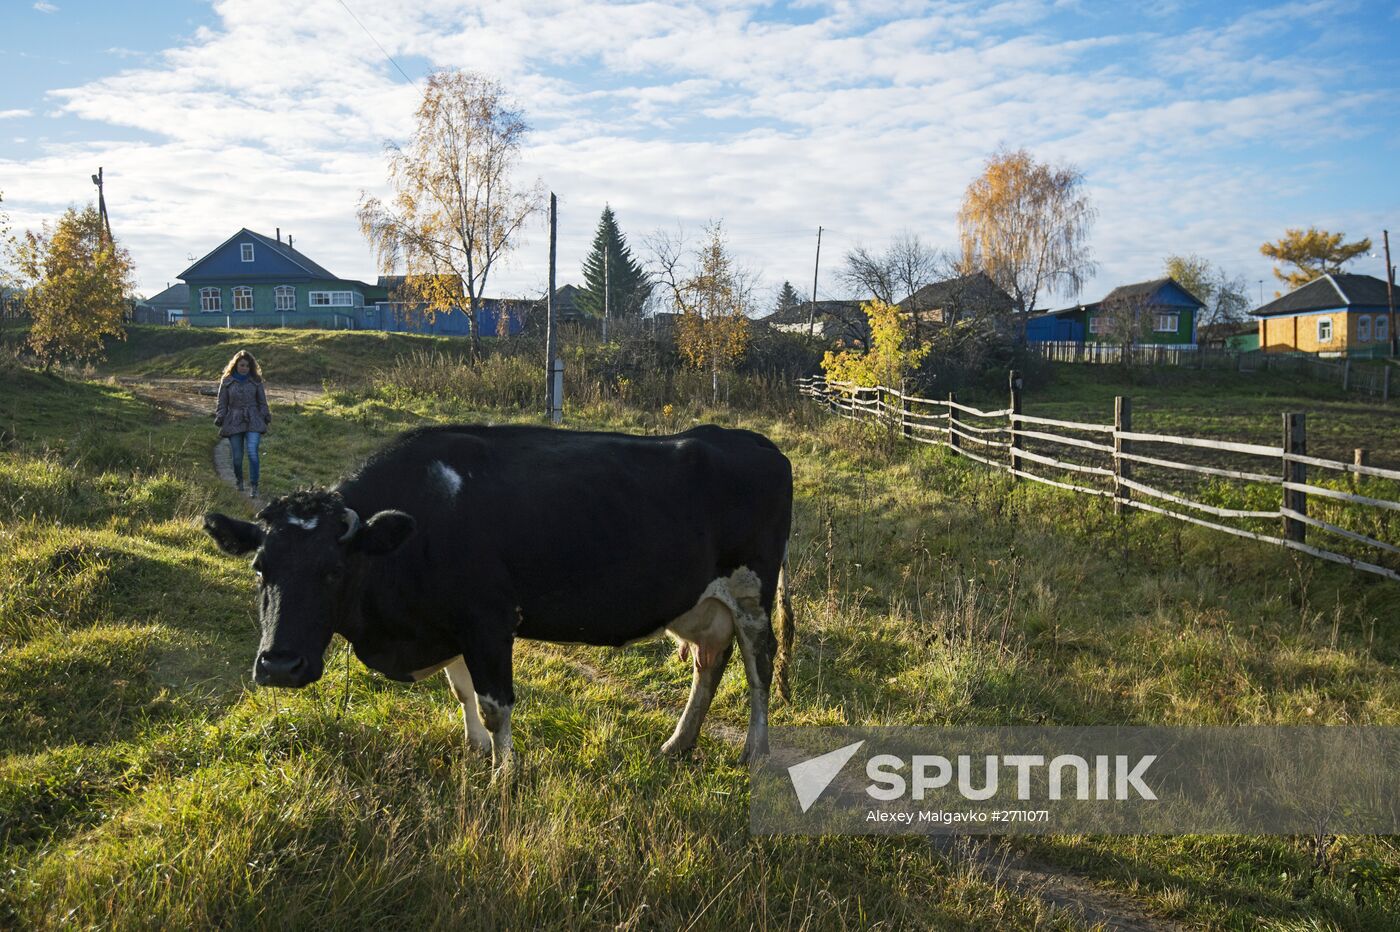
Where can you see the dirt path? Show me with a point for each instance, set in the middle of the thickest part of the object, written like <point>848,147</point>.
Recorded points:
<point>988,857</point>
<point>190,398</point>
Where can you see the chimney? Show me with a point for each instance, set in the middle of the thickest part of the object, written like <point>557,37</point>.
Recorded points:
<point>289,241</point>
<point>279,234</point>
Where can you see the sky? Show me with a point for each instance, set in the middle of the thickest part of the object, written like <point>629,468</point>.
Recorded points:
<point>1203,128</point>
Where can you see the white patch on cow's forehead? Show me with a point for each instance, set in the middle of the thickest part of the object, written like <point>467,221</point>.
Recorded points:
<point>451,479</point>
<point>306,523</point>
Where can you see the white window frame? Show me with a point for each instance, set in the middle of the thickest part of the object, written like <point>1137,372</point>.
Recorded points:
<point>332,298</point>
<point>1363,328</point>
<point>245,252</point>
<point>1098,324</point>
<point>1173,319</point>
<point>1382,334</point>
<point>239,292</point>
<point>211,300</point>
<point>1324,330</point>
<point>285,297</point>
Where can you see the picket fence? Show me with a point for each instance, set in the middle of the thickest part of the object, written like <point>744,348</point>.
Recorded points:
<point>1372,380</point>
<point>1015,442</point>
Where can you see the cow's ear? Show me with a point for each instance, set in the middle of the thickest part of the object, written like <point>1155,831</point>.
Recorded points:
<point>233,536</point>
<point>384,533</point>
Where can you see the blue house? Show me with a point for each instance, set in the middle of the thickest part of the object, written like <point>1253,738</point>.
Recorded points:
<point>1163,313</point>
<point>251,280</point>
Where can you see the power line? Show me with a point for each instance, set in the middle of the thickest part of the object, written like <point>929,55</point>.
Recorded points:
<point>376,42</point>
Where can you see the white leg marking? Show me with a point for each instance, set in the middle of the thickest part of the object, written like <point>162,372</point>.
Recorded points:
<point>756,645</point>
<point>461,680</point>
<point>497,718</point>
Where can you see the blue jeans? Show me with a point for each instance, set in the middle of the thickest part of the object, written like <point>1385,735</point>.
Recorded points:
<point>236,443</point>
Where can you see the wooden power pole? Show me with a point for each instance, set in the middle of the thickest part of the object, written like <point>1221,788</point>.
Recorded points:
<point>1390,295</point>
<point>812,310</point>
<point>553,366</point>
<point>102,206</point>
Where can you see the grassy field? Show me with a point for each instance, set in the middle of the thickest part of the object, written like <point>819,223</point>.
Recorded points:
<point>144,783</point>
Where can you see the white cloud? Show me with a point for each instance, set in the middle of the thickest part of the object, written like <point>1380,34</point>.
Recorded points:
<point>44,7</point>
<point>866,117</point>
<point>14,114</point>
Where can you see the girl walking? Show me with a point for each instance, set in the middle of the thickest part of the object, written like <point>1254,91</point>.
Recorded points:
<point>242,414</point>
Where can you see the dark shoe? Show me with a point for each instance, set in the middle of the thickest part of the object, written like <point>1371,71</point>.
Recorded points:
<point>253,493</point>
<point>240,485</point>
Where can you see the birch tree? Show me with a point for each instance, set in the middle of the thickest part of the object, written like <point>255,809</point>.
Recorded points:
<point>79,284</point>
<point>1026,224</point>
<point>454,212</point>
<point>712,297</point>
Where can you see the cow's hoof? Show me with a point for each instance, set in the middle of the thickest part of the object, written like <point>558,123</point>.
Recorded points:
<point>480,745</point>
<point>677,748</point>
<point>753,753</point>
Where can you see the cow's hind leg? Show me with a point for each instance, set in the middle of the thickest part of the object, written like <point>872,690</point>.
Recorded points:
<point>758,646</point>
<point>706,633</point>
<point>461,680</point>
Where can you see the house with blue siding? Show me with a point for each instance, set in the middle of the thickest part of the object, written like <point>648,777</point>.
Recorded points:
<point>252,280</point>
<point>1163,313</point>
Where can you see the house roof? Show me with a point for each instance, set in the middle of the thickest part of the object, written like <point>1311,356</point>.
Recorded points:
<point>277,246</point>
<point>976,289</point>
<point>1143,292</point>
<point>798,313</point>
<point>174,296</point>
<point>1327,292</point>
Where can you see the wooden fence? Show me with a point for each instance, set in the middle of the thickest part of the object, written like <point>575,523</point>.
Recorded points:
<point>1373,380</point>
<point>1120,458</point>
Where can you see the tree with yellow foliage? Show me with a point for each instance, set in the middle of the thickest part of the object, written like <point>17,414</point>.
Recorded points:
<point>1313,253</point>
<point>455,213</point>
<point>1026,224</point>
<point>713,299</point>
<point>888,362</point>
<point>79,282</point>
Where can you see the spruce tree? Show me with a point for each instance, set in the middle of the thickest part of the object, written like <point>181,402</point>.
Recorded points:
<point>787,298</point>
<point>628,285</point>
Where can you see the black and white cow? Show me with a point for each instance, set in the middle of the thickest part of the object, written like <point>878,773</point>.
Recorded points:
<point>451,542</point>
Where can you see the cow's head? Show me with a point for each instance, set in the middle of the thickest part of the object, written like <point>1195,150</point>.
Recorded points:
<point>309,555</point>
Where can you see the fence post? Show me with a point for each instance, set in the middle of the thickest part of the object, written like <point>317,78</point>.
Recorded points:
<point>1346,374</point>
<point>954,440</point>
<point>904,429</point>
<point>1359,457</point>
<point>1016,383</point>
<point>1295,441</point>
<point>1385,382</point>
<point>1122,469</point>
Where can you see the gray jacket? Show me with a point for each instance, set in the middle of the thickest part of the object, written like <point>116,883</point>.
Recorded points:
<point>242,407</point>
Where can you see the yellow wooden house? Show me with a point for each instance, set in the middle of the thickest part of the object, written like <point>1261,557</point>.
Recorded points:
<point>1335,315</point>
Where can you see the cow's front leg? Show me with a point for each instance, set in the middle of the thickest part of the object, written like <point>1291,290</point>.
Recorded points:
<point>489,661</point>
<point>478,737</point>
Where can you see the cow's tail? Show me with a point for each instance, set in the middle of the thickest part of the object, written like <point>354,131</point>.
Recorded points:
<point>783,630</point>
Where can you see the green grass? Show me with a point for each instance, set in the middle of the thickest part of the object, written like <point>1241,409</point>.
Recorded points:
<point>143,783</point>
<point>290,357</point>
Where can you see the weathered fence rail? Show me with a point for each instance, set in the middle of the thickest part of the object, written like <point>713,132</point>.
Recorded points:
<point>1014,442</point>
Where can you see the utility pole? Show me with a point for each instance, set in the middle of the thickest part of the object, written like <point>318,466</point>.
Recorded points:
<point>102,204</point>
<point>554,367</point>
<point>607,292</point>
<point>812,310</point>
<point>1390,294</point>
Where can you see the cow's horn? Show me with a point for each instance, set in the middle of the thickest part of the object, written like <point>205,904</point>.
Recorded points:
<point>352,524</point>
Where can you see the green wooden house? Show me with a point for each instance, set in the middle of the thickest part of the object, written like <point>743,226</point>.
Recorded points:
<point>1157,313</point>
<point>252,280</point>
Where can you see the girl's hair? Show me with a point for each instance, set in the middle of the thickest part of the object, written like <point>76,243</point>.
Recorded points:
<point>253,371</point>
